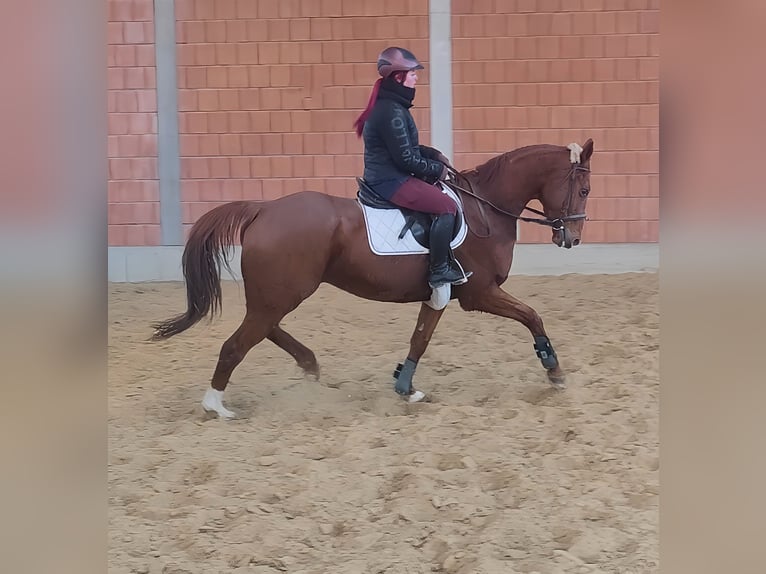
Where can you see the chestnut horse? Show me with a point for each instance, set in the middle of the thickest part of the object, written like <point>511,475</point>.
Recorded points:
<point>293,244</point>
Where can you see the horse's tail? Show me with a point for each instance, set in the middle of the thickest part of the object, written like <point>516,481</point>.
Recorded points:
<point>210,236</point>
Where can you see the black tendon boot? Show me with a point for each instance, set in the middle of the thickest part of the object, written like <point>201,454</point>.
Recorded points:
<point>441,269</point>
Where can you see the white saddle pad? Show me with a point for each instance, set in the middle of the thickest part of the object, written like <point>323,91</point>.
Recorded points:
<point>385,225</point>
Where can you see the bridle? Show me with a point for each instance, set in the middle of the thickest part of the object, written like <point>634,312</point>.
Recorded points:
<point>556,224</point>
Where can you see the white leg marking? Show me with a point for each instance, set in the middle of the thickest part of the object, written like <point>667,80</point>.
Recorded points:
<point>415,397</point>
<point>440,297</point>
<point>213,401</point>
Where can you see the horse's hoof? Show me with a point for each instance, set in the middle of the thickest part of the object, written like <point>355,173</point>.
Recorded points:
<point>558,380</point>
<point>415,397</point>
<point>213,402</point>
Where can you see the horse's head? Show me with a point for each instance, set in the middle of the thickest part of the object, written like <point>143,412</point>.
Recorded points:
<point>564,198</point>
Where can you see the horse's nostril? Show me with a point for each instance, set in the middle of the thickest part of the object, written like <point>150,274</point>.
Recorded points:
<point>576,242</point>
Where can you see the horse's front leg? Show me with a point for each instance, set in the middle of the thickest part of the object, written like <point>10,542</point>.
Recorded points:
<point>428,318</point>
<point>498,302</point>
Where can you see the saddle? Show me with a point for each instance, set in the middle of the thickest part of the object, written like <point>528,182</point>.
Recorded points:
<point>416,222</point>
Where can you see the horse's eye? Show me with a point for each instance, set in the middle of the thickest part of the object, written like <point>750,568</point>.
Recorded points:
<point>584,192</point>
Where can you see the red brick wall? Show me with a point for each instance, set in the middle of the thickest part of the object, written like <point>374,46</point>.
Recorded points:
<point>132,138</point>
<point>558,71</point>
<point>268,92</point>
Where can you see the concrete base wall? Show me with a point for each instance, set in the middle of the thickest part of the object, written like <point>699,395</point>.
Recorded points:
<point>138,264</point>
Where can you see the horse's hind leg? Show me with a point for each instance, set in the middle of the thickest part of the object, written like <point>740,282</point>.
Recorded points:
<point>254,328</point>
<point>303,355</point>
<point>428,319</point>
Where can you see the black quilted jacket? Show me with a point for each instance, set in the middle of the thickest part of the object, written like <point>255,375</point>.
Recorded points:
<point>391,149</point>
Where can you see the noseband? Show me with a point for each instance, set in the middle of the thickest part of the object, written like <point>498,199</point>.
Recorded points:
<point>556,224</point>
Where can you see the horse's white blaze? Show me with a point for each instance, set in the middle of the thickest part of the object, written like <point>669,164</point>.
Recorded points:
<point>574,152</point>
<point>213,401</point>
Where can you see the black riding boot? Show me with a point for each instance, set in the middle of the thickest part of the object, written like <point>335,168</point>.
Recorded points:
<point>441,268</point>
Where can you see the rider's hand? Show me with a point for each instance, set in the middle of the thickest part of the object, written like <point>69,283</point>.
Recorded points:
<point>443,158</point>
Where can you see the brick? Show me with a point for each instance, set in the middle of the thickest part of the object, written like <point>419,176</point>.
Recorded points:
<point>218,122</point>
<point>628,23</point>
<point>236,31</point>
<point>593,46</point>
<point>246,9</point>
<point>225,9</point>
<point>654,45</point>
<point>627,69</point>
<point>217,77</point>
<point>549,94</point>
<point>494,27</point>
<point>116,78</point>
<point>196,77</point>
<point>194,168</point>
<point>204,54</point>
<point>320,29</point>
<point>268,53</point>
<point>562,24</point>
<point>134,33</point>
<point>310,9</point>
<point>313,143</point>
<point>303,166</point>
<point>147,100</point>
<point>215,32</point>
<point>526,48</point>
<point>189,145</point>
<point>539,24</point>
<point>251,144</point>
<point>207,100</point>
<point>252,189</point>
<point>279,76</point>
<point>281,166</point>
<point>292,144</point>
<point>226,54</point>
<point>291,98</point>
<point>260,166</point>
<point>257,30</point>
<point>193,32</point>
<point>516,117</point>
<point>260,121</point>
<point>123,55</point>
<point>604,70</point>
<point>280,121</point>
<point>258,76</point>
<point>494,71</point>
<point>616,46</point>
<point>278,30</point>
<point>323,165</point>
<point>289,9</point>
<point>300,121</point>
<point>237,77</point>
<point>605,23</point>
<point>231,190</point>
<point>143,10</point>
<point>219,167</point>
<point>248,53</point>
<point>272,144</point>
<point>272,189</point>
<point>649,69</point>
<point>348,165</point>
<point>526,94</point>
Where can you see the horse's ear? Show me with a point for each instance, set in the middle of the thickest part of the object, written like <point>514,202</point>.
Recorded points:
<point>587,151</point>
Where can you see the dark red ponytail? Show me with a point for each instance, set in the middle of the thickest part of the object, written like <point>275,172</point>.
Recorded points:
<point>359,123</point>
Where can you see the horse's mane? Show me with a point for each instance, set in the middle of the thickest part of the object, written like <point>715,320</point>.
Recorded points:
<point>493,168</point>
